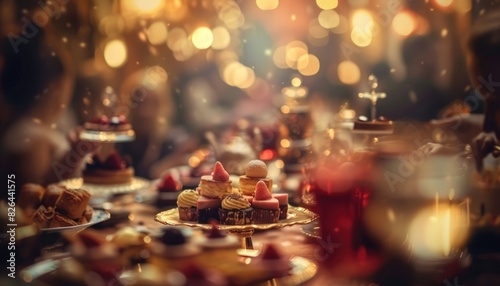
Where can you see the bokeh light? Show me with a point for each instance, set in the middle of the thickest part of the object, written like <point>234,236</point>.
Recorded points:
<point>348,72</point>
<point>295,50</point>
<point>308,65</point>
<point>362,31</point>
<point>267,4</point>
<point>175,39</point>
<point>239,75</point>
<point>221,38</point>
<point>327,4</point>
<point>115,53</point>
<point>176,10</point>
<point>202,38</point>
<point>403,23</point>
<point>328,19</point>
<point>145,7</point>
<point>157,33</point>
<point>279,57</point>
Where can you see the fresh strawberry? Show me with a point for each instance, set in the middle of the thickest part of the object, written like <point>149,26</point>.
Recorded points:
<point>270,252</point>
<point>262,192</point>
<point>114,162</point>
<point>219,173</point>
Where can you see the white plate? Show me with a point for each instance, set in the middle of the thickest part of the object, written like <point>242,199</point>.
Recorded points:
<point>104,190</point>
<point>97,217</point>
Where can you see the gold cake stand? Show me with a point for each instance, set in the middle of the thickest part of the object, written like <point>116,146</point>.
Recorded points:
<point>296,215</point>
<point>303,269</point>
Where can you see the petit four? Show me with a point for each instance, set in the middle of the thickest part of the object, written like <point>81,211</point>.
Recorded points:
<point>235,210</point>
<point>273,261</point>
<point>216,238</point>
<point>208,209</point>
<point>174,244</point>
<point>283,203</point>
<point>169,188</point>
<point>266,208</point>
<point>187,202</point>
<point>216,185</point>
<point>255,171</point>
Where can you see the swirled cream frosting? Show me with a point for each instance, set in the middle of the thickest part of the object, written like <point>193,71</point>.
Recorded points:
<point>235,202</point>
<point>187,199</point>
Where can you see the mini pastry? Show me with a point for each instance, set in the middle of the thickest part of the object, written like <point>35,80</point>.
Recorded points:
<point>104,123</point>
<point>31,196</point>
<point>255,171</point>
<point>52,194</point>
<point>60,220</point>
<point>216,238</point>
<point>112,171</point>
<point>283,203</point>
<point>235,210</point>
<point>208,209</point>
<point>168,190</point>
<point>266,208</point>
<point>273,261</point>
<point>175,244</point>
<point>43,216</point>
<point>216,185</point>
<point>73,203</point>
<point>187,205</point>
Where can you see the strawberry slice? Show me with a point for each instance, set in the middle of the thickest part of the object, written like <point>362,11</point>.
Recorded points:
<point>219,173</point>
<point>114,162</point>
<point>270,253</point>
<point>262,192</point>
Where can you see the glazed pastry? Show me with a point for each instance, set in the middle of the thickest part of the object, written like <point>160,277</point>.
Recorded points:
<point>216,185</point>
<point>235,210</point>
<point>187,205</point>
<point>52,194</point>
<point>73,203</point>
<point>60,220</point>
<point>266,208</point>
<point>208,209</point>
<point>43,216</point>
<point>255,171</point>
<point>283,203</point>
<point>31,196</point>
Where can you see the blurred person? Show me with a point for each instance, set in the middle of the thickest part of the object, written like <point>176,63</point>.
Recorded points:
<point>36,86</point>
<point>160,142</point>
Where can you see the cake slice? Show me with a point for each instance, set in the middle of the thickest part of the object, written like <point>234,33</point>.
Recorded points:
<point>283,204</point>
<point>216,185</point>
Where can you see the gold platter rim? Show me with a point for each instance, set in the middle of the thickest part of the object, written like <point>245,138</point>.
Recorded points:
<point>300,216</point>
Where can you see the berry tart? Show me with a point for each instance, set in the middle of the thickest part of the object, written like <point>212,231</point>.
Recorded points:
<point>169,189</point>
<point>112,171</point>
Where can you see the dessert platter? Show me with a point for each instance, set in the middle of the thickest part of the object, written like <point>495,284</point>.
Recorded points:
<point>238,210</point>
<point>108,129</point>
<point>135,185</point>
